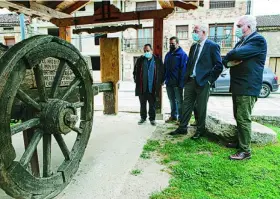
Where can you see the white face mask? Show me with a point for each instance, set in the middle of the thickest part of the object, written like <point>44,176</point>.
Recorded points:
<point>239,33</point>
<point>148,55</point>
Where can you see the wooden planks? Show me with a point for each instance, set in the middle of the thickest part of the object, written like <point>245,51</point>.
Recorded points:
<point>110,71</point>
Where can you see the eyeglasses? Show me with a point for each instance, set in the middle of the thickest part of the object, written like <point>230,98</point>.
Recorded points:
<point>196,31</point>
<point>239,25</point>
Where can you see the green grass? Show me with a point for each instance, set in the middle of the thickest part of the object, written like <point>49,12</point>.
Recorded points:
<point>136,172</point>
<point>202,170</point>
<point>151,146</point>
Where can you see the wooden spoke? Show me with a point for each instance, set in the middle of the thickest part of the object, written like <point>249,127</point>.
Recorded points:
<point>26,157</point>
<point>62,146</point>
<point>58,78</point>
<point>40,82</point>
<point>78,104</point>
<point>47,141</point>
<point>71,88</point>
<point>25,125</point>
<point>76,129</point>
<point>21,95</point>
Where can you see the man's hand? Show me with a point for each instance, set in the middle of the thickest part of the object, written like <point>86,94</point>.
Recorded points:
<point>233,63</point>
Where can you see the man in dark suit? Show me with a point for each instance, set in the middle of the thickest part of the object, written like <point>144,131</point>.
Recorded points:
<point>148,76</point>
<point>246,62</point>
<point>203,68</point>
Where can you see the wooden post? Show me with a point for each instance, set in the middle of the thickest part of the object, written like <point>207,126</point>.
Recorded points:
<point>158,46</point>
<point>65,33</point>
<point>110,71</point>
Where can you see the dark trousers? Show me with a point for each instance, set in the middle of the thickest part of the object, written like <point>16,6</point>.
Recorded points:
<point>195,95</point>
<point>242,110</point>
<point>143,106</point>
<point>175,96</point>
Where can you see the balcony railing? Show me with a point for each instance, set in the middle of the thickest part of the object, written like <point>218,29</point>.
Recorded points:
<point>137,44</point>
<point>225,41</point>
<point>222,4</point>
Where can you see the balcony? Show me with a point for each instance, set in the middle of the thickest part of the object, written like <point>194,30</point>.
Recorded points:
<point>226,42</point>
<point>137,44</point>
<point>222,4</point>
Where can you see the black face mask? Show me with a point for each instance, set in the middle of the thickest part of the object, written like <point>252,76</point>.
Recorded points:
<point>172,47</point>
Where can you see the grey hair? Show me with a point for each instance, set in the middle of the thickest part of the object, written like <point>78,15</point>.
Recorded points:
<point>251,21</point>
<point>203,28</point>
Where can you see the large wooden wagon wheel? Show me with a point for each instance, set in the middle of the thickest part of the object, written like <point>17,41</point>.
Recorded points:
<point>53,114</point>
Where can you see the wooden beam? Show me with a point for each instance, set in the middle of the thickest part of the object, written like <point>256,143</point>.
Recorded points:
<point>107,29</point>
<point>110,71</point>
<point>186,4</point>
<point>35,9</point>
<point>65,33</point>
<point>75,6</point>
<point>115,17</point>
<point>46,10</point>
<point>157,50</point>
<point>50,4</point>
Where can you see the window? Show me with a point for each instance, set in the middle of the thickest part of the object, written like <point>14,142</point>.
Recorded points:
<point>95,63</point>
<point>222,34</point>
<point>144,36</point>
<point>9,41</point>
<point>221,4</point>
<point>182,32</point>
<point>147,5</point>
<point>53,32</point>
<point>8,28</point>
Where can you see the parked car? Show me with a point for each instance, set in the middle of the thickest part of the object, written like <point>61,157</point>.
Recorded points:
<point>270,83</point>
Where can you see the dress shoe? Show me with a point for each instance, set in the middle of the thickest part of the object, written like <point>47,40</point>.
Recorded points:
<point>141,121</point>
<point>153,122</point>
<point>232,145</point>
<point>196,136</point>
<point>240,156</point>
<point>179,131</point>
<point>170,120</point>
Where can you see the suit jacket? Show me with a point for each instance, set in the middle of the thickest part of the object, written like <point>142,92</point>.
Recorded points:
<point>158,75</point>
<point>209,65</point>
<point>246,78</point>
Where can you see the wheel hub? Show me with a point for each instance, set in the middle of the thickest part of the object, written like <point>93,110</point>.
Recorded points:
<point>58,116</point>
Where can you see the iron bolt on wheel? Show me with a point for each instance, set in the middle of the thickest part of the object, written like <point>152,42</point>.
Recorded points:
<point>60,116</point>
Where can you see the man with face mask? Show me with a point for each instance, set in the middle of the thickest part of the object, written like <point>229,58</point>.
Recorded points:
<point>175,70</point>
<point>203,68</point>
<point>148,75</point>
<point>246,62</point>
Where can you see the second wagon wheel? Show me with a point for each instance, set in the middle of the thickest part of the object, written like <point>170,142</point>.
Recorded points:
<point>55,112</point>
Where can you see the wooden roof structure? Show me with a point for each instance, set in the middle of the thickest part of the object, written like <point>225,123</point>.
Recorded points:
<point>59,12</point>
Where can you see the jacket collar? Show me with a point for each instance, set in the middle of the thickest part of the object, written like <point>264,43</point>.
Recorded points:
<point>204,49</point>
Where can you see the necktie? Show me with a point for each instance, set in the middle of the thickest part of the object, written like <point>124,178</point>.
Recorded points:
<point>194,58</point>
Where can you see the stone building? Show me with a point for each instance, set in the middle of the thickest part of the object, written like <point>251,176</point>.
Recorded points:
<point>269,27</point>
<point>10,29</point>
<point>218,15</point>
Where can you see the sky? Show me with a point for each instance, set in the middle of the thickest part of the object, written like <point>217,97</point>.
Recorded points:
<point>260,7</point>
<point>266,7</point>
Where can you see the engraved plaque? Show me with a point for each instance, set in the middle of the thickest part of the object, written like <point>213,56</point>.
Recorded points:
<point>50,66</point>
